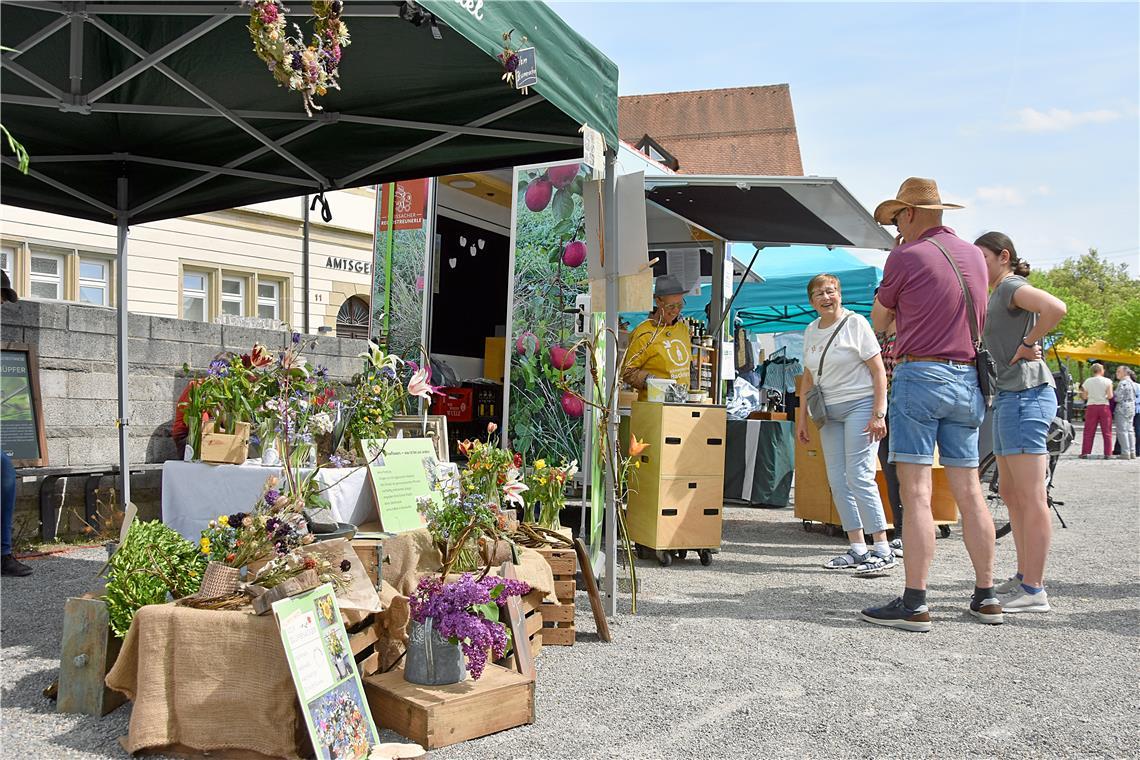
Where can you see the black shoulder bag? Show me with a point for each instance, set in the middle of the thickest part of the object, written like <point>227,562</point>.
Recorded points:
<point>983,362</point>
<point>816,407</point>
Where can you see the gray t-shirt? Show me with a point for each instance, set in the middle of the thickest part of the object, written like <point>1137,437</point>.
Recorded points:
<point>1006,325</point>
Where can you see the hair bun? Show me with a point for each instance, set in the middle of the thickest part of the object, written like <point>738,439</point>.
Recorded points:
<point>1021,268</point>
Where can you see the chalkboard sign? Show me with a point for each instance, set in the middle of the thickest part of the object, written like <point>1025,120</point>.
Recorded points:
<point>21,413</point>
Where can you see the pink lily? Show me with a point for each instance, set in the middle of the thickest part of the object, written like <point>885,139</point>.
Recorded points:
<point>420,385</point>
<point>514,488</point>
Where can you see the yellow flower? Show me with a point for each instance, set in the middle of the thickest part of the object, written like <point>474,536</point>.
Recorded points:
<point>222,520</point>
<point>540,464</point>
<point>204,543</point>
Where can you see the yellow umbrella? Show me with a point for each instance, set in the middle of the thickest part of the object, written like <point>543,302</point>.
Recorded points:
<point>1098,350</point>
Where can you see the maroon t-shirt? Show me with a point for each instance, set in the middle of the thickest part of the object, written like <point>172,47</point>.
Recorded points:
<point>930,310</point>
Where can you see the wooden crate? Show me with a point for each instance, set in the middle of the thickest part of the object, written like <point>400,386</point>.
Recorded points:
<point>362,636</point>
<point>370,551</point>
<point>532,610</point>
<point>558,619</point>
<point>439,716</point>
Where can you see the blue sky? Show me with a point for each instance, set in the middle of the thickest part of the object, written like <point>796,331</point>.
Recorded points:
<point>1025,113</point>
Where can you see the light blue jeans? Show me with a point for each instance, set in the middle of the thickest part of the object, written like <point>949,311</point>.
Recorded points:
<point>850,456</point>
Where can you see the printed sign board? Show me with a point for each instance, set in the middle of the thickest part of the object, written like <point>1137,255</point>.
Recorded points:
<point>325,675</point>
<point>21,415</point>
<point>401,471</point>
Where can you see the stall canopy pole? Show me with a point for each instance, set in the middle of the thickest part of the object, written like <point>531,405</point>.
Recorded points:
<point>609,210</point>
<point>121,223</point>
<point>305,263</point>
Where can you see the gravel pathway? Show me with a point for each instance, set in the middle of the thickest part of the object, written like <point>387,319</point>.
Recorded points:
<point>761,655</point>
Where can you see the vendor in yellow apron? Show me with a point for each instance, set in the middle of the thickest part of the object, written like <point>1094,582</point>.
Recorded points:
<point>660,346</point>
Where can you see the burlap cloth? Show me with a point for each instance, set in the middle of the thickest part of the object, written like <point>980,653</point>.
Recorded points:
<point>412,554</point>
<point>208,680</point>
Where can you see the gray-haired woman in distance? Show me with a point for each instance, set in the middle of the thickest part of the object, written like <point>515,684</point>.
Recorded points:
<point>1125,395</point>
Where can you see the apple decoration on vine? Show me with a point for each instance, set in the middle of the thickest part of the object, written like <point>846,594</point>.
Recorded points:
<point>312,69</point>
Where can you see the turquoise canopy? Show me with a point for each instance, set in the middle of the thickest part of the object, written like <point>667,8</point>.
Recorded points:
<point>780,302</point>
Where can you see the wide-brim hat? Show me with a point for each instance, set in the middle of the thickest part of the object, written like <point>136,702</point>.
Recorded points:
<point>915,192</point>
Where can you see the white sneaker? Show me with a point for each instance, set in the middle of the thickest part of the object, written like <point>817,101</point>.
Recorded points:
<point>1023,601</point>
<point>1008,586</point>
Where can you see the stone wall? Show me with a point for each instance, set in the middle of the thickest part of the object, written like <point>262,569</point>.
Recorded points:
<point>78,384</point>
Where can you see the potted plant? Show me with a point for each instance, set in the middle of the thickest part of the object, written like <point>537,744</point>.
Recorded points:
<point>454,626</point>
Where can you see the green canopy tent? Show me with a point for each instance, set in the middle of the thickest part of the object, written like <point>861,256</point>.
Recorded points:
<point>135,111</point>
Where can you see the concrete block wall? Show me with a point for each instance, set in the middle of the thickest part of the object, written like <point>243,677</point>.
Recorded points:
<point>77,347</point>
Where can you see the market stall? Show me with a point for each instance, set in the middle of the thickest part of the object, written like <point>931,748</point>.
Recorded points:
<point>139,111</point>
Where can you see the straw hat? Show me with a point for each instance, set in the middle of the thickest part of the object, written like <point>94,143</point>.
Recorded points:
<point>915,192</point>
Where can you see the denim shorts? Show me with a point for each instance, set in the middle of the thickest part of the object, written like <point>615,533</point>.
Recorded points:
<point>1022,419</point>
<point>933,403</point>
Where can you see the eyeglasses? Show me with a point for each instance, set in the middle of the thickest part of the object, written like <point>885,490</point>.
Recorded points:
<point>825,292</point>
<point>670,306</point>
<point>895,219</point>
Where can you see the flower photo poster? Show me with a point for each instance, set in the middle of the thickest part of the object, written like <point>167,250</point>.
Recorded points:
<point>325,674</point>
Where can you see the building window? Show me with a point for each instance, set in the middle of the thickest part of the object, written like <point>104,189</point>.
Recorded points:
<point>195,296</point>
<point>46,274</point>
<point>352,319</point>
<point>94,281</point>
<point>269,299</point>
<point>233,296</point>
<point>7,262</point>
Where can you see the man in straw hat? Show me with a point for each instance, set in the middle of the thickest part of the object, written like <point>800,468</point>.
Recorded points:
<point>935,397</point>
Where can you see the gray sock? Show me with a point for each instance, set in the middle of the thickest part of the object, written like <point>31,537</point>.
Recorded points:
<point>914,598</point>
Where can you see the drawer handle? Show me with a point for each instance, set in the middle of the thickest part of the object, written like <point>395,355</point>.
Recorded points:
<point>673,441</point>
<point>692,485</point>
<point>669,512</point>
<point>715,442</point>
<point>696,414</point>
<point>712,511</point>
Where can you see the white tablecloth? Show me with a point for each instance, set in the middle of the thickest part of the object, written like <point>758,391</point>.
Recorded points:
<point>193,493</point>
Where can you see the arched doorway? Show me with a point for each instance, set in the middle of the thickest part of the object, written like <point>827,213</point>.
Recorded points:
<point>352,319</point>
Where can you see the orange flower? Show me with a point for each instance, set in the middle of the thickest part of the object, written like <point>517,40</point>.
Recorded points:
<point>636,446</point>
<point>465,448</point>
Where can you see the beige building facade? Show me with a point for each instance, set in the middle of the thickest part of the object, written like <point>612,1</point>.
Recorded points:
<point>244,264</point>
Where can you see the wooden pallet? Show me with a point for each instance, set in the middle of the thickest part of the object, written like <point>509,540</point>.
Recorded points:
<point>558,619</point>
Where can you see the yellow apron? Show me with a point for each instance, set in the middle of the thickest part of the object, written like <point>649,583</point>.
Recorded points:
<point>664,352</point>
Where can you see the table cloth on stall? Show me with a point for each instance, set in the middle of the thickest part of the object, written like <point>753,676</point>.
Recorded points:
<point>193,493</point>
<point>759,461</point>
<point>208,680</point>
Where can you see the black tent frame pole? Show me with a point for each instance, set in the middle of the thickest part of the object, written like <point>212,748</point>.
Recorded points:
<point>305,264</point>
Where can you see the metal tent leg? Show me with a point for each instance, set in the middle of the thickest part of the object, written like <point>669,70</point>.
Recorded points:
<point>610,375</point>
<point>121,294</point>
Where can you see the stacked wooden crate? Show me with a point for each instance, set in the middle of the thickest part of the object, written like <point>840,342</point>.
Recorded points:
<point>558,619</point>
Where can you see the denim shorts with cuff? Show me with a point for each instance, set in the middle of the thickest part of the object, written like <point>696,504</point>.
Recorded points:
<point>933,403</point>
<point>1022,420</point>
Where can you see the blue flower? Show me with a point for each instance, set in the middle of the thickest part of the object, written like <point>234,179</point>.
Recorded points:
<point>296,338</point>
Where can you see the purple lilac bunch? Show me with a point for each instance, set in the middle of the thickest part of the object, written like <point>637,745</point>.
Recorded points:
<point>467,612</point>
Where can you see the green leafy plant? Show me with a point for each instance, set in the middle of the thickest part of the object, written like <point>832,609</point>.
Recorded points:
<point>546,487</point>
<point>152,562</point>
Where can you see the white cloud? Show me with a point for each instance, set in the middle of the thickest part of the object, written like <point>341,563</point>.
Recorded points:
<point>1007,196</point>
<point>1043,190</point>
<point>1059,119</point>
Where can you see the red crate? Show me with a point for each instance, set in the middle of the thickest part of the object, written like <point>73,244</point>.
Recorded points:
<point>457,403</point>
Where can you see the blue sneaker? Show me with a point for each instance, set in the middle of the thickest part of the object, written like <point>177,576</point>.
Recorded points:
<point>897,615</point>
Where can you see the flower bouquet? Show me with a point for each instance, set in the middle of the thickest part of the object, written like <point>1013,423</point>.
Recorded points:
<point>491,470</point>
<point>464,613</point>
<point>546,487</point>
<point>457,521</point>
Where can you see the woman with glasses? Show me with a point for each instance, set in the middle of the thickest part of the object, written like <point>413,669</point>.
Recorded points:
<point>660,346</point>
<point>854,385</point>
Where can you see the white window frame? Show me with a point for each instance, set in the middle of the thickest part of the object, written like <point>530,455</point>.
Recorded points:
<point>60,279</point>
<point>238,298</point>
<point>86,282</point>
<point>12,252</point>
<point>203,294</point>
<point>274,302</point>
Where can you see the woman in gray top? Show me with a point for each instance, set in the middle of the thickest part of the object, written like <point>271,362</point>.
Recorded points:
<point>1018,316</point>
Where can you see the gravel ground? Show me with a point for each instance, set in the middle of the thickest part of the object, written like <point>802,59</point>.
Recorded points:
<point>761,655</point>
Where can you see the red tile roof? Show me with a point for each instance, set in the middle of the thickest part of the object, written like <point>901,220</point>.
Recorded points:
<point>739,130</point>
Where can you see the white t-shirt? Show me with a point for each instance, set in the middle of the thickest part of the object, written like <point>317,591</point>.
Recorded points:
<point>1096,387</point>
<point>846,376</point>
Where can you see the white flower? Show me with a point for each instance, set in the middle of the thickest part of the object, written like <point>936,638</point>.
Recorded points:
<point>321,422</point>
<point>513,489</point>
